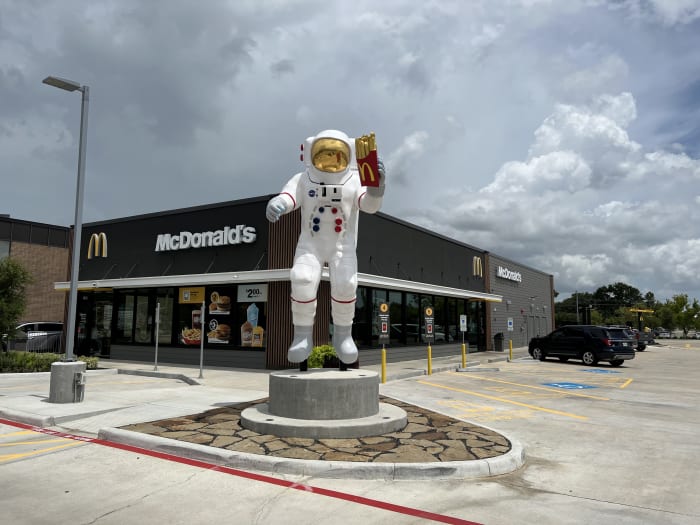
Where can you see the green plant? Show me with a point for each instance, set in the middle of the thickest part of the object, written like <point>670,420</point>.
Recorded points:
<point>22,362</point>
<point>319,354</point>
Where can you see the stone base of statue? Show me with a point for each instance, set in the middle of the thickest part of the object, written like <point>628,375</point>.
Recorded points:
<point>324,403</point>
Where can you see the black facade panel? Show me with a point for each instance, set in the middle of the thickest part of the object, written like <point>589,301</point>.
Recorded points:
<point>5,230</point>
<point>21,232</point>
<point>131,243</point>
<point>392,248</point>
<point>58,237</point>
<point>40,235</point>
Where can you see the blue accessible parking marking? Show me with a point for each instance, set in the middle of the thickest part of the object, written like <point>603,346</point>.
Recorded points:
<point>569,386</point>
<point>601,371</point>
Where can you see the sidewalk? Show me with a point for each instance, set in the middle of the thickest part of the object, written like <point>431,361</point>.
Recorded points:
<point>134,395</point>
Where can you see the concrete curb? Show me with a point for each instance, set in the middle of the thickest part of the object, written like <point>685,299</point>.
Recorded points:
<point>28,419</point>
<point>479,468</point>
<point>165,375</point>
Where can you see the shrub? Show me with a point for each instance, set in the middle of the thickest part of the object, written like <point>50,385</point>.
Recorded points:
<point>319,355</point>
<point>16,361</point>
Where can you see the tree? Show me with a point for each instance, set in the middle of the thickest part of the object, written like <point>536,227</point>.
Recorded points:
<point>14,279</point>
<point>608,299</point>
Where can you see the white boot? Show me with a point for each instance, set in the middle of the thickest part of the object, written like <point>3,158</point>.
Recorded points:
<point>302,344</point>
<point>344,345</point>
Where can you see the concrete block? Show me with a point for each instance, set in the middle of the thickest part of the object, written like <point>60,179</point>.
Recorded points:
<point>63,387</point>
<point>323,393</point>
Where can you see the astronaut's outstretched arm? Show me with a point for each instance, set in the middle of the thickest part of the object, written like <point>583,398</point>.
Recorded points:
<point>285,202</point>
<point>371,200</point>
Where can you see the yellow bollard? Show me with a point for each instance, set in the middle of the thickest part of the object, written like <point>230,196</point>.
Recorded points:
<point>383,365</point>
<point>464,356</point>
<point>510,344</point>
<point>430,360</point>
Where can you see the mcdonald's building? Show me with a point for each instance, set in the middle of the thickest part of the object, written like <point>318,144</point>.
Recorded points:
<point>217,276</point>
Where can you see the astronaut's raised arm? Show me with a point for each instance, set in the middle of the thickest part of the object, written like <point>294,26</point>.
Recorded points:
<point>287,200</point>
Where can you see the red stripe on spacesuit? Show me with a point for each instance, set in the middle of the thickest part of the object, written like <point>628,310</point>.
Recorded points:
<point>360,197</point>
<point>302,302</point>
<point>344,302</point>
<point>290,196</point>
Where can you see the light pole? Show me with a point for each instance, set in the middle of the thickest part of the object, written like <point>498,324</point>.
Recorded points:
<point>69,85</point>
<point>68,381</point>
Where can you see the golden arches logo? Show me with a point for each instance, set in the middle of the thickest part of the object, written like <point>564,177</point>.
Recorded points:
<point>477,267</point>
<point>364,176</point>
<point>97,246</point>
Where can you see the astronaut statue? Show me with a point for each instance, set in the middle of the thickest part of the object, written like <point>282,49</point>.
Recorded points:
<point>330,193</point>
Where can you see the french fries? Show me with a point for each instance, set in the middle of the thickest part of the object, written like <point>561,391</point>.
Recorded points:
<point>364,145</point>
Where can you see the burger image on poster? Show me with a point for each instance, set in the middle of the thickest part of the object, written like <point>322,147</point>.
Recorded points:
<point>249,326</point>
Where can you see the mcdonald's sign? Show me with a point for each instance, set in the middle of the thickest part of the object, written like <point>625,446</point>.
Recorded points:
<point>97,246</point>
<point>367,175</point>
<point>477,267</point>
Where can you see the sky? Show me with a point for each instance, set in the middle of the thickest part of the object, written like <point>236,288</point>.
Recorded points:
<point>563,135</point>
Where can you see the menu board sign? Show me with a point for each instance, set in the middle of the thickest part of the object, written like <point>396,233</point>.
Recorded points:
<point>193,295</point>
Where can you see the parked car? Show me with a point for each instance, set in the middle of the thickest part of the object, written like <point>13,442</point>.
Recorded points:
<point>662,333</point>
<point>40,336</point>
<point>677,334</point>
<point>619,332</point>
<point>591,344</point>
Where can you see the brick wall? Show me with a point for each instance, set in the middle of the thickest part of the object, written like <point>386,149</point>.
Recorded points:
<point>46,264</point>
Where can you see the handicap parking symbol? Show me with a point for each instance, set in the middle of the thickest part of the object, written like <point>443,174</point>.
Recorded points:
<point>569,386</point>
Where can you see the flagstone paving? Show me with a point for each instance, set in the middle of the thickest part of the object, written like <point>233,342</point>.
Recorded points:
<point>428,437</point>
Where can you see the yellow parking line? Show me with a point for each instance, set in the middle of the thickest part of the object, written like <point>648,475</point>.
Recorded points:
<point>9,457</point>
<point>493,398</point>
<point>18,433</point>
<point>557,390</point>
<point>626,383</point>
<point>57,440</point>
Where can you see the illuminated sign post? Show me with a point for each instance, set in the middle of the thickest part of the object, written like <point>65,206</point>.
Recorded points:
<point>429,325</point>
<point>383,323</point>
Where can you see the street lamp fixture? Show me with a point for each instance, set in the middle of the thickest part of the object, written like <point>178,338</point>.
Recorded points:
<point>70,85</point>
<point>62,83</point>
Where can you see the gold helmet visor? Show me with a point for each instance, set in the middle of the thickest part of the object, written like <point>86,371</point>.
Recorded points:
<point>330,155</point>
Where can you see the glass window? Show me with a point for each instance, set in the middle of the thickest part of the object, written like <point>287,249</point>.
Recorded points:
<point>142,333</point>
<point>360,326</point>
<point>411,322</point>
<point>125,318</point>
<point>395,311</point>
<point>165,298</point>
<point>452,320</point>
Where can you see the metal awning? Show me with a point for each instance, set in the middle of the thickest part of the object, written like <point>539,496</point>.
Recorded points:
<point>256,276</point>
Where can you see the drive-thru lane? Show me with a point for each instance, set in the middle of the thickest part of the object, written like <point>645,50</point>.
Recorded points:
<point>41,441</point>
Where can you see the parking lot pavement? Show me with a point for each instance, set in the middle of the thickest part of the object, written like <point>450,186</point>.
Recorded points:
<point>623,435</point>
<point>602,444</point>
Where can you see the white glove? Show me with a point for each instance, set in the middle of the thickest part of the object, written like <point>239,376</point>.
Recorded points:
<point>276,207</point>
<point>378,191</point>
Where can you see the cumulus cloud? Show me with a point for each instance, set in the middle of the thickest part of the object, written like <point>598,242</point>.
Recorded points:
<point>573,150</point>
<point>586,203</point>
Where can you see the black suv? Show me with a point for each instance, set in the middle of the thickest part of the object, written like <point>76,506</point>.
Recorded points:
<point>588,343</point>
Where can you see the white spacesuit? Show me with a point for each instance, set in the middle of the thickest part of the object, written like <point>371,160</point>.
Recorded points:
<point>330,195</point>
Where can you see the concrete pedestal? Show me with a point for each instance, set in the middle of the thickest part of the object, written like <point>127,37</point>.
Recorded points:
<point>66,385</point>
<point>324,403</point>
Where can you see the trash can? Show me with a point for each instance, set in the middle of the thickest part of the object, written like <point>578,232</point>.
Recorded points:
<point>498,342</point>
